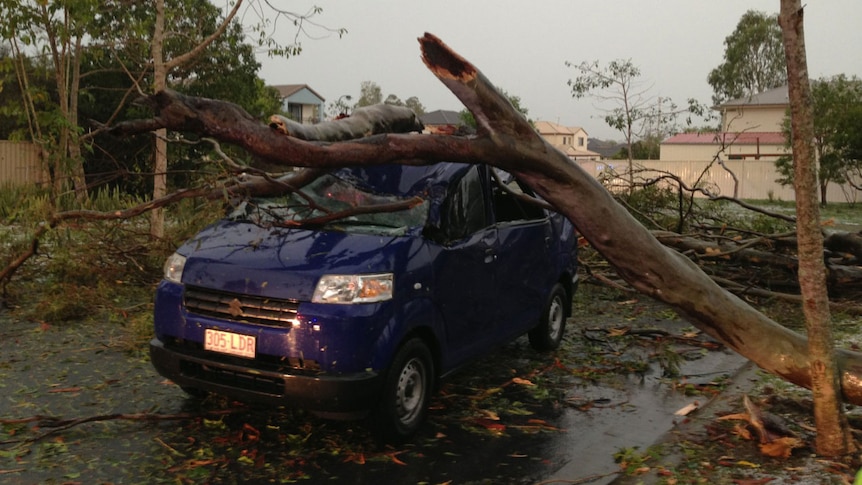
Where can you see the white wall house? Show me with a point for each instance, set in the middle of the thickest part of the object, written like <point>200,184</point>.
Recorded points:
<point>751,129</point>
<point>572,141</point>
<point>301,102</point>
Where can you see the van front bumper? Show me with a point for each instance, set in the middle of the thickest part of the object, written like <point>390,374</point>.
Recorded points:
<point>346,396</point>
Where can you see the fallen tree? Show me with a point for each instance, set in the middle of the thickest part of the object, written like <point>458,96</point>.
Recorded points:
<point>505,139</point>
<point>769,261</point>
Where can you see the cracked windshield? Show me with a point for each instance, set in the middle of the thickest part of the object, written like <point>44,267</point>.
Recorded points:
<point>336,204</point>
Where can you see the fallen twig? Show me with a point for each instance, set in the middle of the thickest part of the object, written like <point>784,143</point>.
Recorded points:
<point>57,425</point>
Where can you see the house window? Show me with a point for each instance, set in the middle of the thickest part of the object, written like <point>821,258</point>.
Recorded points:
<point>295,111</point>
<point>580,141</point>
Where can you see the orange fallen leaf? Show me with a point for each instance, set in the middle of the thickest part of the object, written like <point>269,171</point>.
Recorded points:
<point>394,458</point>
<point>742,416</point>
<point>523,382</point>
<point>742,432</point>
<point>489,424</point>
<point>358,458</point>
<point>781,447</point>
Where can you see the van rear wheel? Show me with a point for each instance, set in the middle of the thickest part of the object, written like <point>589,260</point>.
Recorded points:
<point>549,333</point>
<point>406,393</point>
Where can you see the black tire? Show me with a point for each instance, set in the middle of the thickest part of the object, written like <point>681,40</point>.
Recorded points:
<point>406,393</point>
<point>548,334</point>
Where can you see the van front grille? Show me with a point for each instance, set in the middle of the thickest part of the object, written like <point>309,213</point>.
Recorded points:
<point>240,308</point>
<point>231,378</point>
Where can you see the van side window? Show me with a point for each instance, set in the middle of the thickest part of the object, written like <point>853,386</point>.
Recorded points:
<point>464,210</point>
<point>508,207</point>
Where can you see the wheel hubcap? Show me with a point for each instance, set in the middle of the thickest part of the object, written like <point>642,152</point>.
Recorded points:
<point>555,318</point>
<point>410,391</point>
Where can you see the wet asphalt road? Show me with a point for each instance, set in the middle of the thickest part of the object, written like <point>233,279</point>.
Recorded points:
<point>485,426</point>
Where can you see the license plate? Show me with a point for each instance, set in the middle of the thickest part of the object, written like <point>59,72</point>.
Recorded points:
<point>229,343</point>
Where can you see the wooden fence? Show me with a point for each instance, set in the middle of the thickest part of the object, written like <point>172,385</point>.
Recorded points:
<point>744,179</point>
<point>20,163</point>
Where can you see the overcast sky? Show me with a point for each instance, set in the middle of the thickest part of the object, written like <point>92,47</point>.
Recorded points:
<point>522,46</point>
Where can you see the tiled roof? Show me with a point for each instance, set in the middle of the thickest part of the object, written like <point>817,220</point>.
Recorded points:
<point>773,97</point>
<point>727,138</point>
<point>287,90</point>
<point>573,152</point>
<point>441,117</point>
<point>548,128</point>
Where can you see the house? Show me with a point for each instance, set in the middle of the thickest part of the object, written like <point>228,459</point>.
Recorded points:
<point>749,145</point>
<point>762,112</point>
<point>571,141</point>
<point>442,121</point>
<point>301,103</point>
<point>751,129</point>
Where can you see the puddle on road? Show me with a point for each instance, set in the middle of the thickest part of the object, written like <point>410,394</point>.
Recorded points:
<point>485,427</point>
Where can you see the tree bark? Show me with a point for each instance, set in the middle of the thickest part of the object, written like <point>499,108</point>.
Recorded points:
<point>833,433</point>
<point>506,139</point>
<point>364,121</point>
<point>161,69</point>
<point>160,145</point>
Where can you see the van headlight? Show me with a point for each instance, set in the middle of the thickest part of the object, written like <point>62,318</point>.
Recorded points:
<point>347,289</point>
<point>174,267</point>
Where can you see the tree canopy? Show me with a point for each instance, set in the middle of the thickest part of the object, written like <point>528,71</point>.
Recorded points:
<point>371,93</point>
<point>837,112</point>
<point>753,59</point>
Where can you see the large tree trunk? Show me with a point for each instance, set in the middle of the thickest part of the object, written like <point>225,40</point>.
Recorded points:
<point>833,434</point>
<point>507,140</point>
<point>160,146</point>
<point>161,69</point>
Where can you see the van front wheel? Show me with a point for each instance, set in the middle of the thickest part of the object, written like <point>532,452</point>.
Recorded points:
<point>406,392</point>
<point>549,333</point>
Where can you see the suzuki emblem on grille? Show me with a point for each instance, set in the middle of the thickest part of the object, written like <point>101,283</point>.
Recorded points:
<point>234,308</point>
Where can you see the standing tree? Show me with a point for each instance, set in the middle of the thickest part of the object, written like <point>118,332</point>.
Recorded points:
<point>836,107</point>
<point>60,30</point>
<point>162,66</point>
<point>227,70</point>
<point>369,93</point>
<point>164,62</point>
<point>637,115</point>
<point>833,434</point>
<point>413,103</point>
<point>753,59</point>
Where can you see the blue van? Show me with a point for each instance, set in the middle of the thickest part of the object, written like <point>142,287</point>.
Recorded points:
<point>355,295</point>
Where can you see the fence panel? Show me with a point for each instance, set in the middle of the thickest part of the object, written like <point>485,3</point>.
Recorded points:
<point>744,179</point>
<point>20,163</point>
